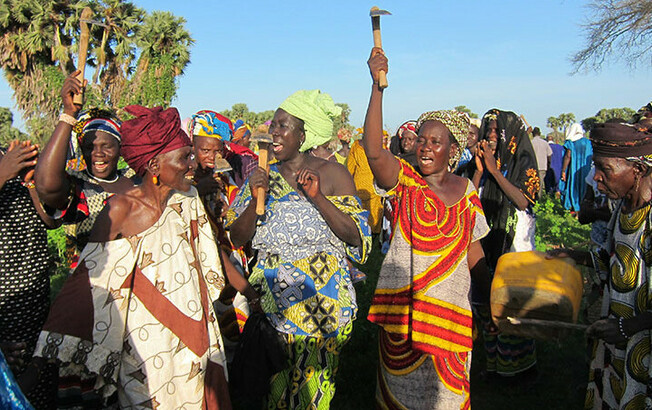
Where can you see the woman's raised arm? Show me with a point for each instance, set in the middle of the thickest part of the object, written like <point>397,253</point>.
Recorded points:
<point>383,164</point>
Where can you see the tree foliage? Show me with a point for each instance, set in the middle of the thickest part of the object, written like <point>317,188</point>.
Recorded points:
<point>135,58</point>
<point>253,119</point>
<point>561,122</point>
<point>463,108</point>
<point>616,28</point>
<point>606,114</point>
<point>343,120</point>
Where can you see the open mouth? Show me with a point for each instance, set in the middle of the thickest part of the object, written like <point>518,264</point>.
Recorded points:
<point>426,161</point>
<point>276,147</point>
<point>101,165</point>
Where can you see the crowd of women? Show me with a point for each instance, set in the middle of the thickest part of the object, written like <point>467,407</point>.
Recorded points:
<point>172,252</point>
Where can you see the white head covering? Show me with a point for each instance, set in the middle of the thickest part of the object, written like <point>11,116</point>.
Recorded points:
<point>574,132</point>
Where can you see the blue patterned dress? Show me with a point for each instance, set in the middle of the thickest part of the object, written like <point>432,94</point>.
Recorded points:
<point>305,285</point>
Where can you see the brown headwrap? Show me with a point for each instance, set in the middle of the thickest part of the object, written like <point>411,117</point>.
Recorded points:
<point>621,140</point>
<point>154,131</point>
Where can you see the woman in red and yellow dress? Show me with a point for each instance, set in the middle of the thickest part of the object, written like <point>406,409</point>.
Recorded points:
<point>422,301</point>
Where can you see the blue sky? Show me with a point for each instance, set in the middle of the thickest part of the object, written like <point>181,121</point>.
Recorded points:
<point>511,54</point>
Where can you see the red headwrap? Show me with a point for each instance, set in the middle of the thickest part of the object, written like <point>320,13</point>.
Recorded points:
<point>407,126</point>
<point>154,131</point>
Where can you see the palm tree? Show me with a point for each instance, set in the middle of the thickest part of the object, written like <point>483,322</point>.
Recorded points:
<point>38,46</point>
<point>164,45</point>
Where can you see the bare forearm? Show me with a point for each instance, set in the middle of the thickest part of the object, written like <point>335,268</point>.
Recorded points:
<point>50,175</point>
<point>477,176</point>
<point>566,161</point>
<point>382,163</point>
<point>340,223</point>
<point>513,193</point>
<point>373,125</point>
<point>244,228</point>
<point>49,221</point>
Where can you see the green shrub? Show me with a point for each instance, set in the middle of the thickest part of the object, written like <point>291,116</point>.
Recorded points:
<point>556,227</point>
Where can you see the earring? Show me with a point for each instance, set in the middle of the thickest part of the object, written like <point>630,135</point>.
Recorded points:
<point>637,183</point>
<point>155,180</point>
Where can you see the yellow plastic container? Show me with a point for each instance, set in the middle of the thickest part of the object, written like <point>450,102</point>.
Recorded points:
<point>527,285</point>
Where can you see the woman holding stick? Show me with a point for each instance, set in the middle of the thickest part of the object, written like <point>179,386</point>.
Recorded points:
<point>312,222</point>
<point>422,301</point>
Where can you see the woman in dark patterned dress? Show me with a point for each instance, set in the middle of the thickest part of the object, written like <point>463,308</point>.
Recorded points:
<point>24,261</point>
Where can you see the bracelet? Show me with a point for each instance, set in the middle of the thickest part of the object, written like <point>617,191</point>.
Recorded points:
<point>29,184</point>
<point>68,119</point>
<point>622,330</point>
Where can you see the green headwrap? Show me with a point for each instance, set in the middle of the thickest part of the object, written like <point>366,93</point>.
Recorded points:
<point>317,111</point>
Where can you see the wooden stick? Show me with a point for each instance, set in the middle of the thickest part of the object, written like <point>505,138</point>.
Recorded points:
<point>375,26</point>
<point>263,154</point>
<point>551,323</point>
<point>83,51</point>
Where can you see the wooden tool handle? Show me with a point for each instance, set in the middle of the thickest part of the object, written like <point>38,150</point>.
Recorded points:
<point>375,24</point>
<point>262,162</point>
<point>83,52</point>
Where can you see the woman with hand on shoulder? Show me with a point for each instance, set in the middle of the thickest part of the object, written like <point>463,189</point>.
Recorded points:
<point>312,222</point>
<point>423,298</point>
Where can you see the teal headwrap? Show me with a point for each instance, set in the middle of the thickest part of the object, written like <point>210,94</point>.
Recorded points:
<point>317,111</point>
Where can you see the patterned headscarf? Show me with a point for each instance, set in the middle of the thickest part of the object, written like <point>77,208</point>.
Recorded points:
<point>516,161</point>
<point>410,125</point>
<point>242,130</point>
<point>643,113</point>
<point>154,131</point>
<point>458,125</point>
<point>90,121</point>
<point>344,135</point>
<point>206,123</point>
<point>317,111</point>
